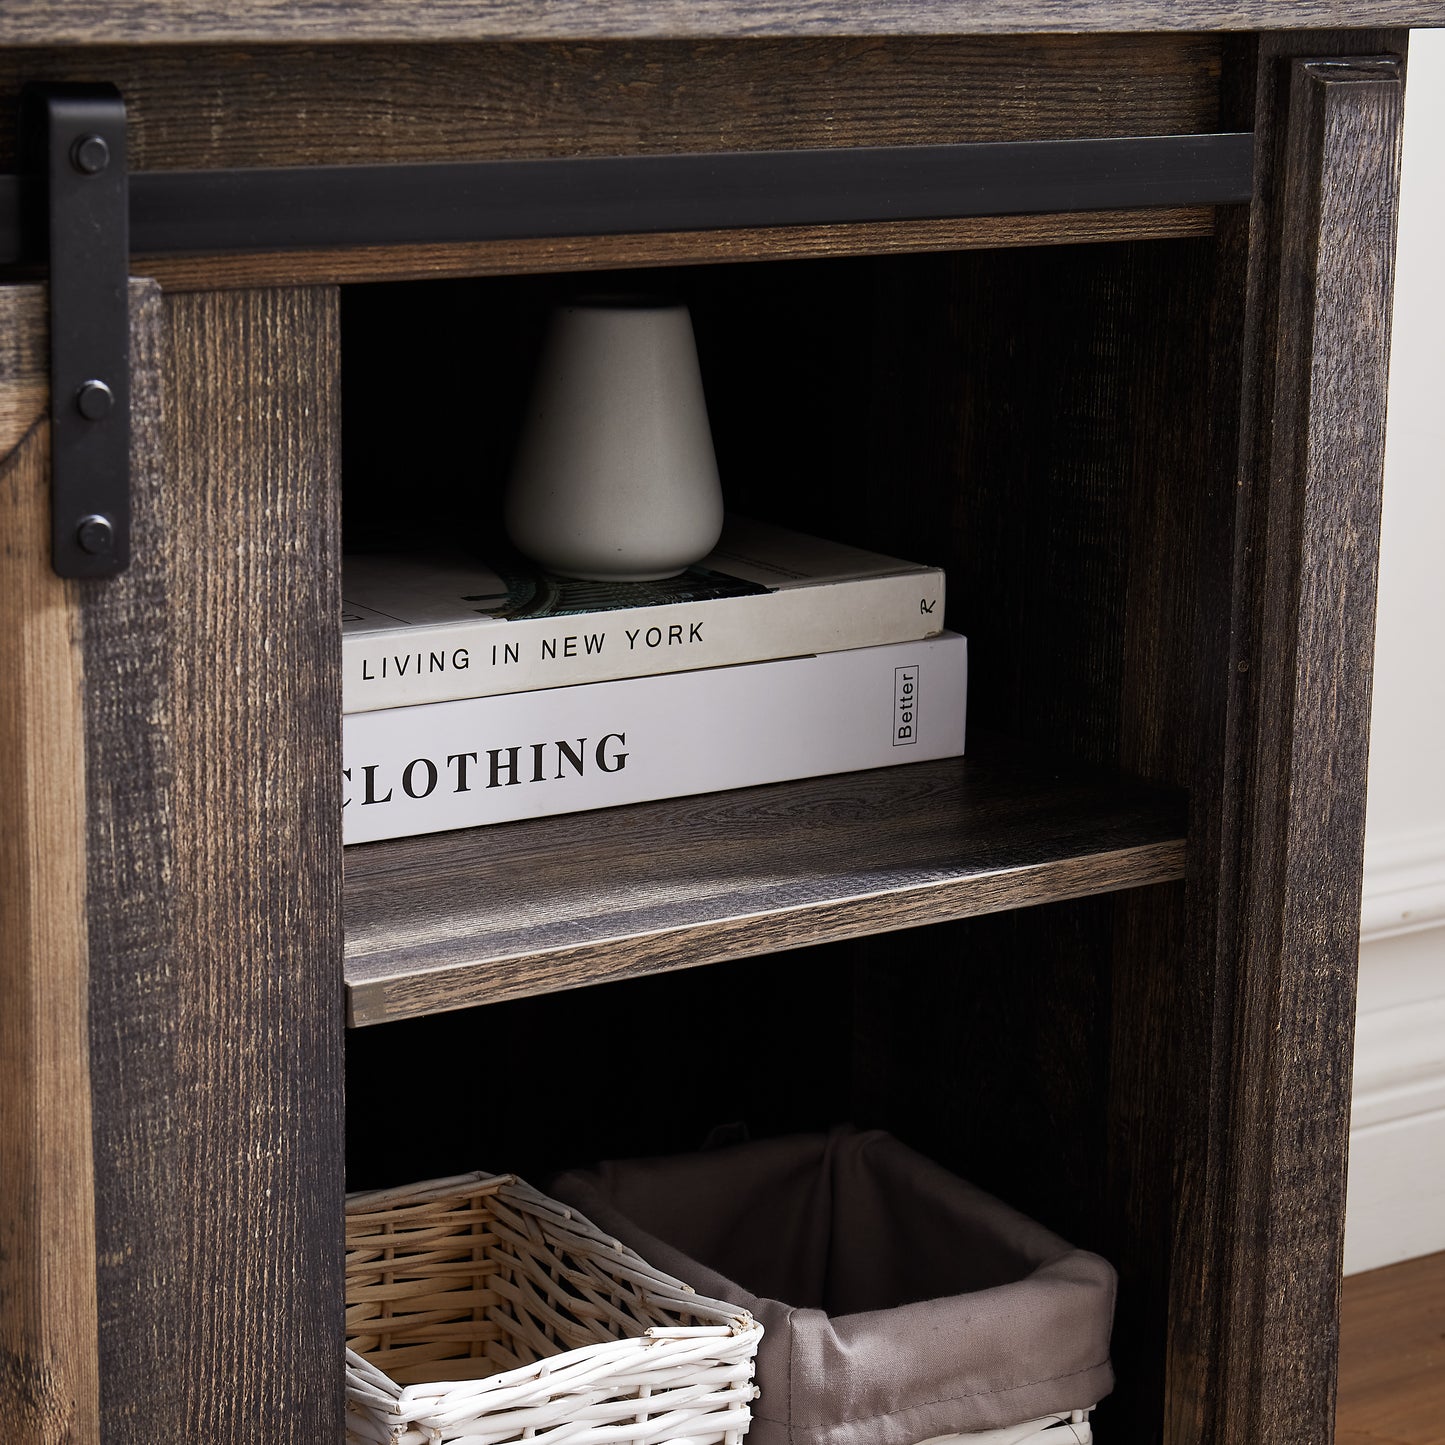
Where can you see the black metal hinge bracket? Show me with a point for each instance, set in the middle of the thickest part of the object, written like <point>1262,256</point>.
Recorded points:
<point>75,137</point>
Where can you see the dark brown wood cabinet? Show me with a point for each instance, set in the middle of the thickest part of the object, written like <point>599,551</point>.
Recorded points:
<point>1105,967</point>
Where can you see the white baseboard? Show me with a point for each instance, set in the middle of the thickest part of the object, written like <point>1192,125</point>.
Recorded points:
<point>1404,883</point>
<point>1396,1207</point>
<point>1400,1062</point>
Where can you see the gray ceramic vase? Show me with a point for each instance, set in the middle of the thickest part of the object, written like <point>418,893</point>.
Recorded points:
<point>615,477</point>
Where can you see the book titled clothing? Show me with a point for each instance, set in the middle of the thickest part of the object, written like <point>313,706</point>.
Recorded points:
<point>423,630</point>
<point>567,749</point>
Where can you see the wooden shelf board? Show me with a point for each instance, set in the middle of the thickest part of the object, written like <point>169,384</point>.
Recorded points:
<point>450,920</point>
<point>676,248</point>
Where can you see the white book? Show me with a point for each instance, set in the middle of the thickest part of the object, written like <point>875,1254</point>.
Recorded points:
<point>564,750</point>
<point>422,630</point>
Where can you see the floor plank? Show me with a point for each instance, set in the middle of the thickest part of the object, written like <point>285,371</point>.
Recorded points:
<point>1392,1356</point>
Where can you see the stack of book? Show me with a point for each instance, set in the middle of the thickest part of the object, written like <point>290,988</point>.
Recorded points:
<point>481,694</point>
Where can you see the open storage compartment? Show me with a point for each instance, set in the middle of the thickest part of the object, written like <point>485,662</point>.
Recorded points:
<point>1037,421</point>
<point>984,1043</point>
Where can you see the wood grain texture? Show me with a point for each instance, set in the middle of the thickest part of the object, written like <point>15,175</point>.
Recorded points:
<point>214,722</point>
<point>134,22</point>
<point>1320,270</point>
<point>489,914</point>
<point>143,1196</point>
<point>49,1373</point>
<point>196,109</point>
<point>24,363</point>
<point>1392,1355</point>
<point>1182,397</point>
<point>605,253</point>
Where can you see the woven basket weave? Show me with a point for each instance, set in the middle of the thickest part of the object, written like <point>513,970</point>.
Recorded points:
<point>1071,1428</point>
<point>480,1311</point>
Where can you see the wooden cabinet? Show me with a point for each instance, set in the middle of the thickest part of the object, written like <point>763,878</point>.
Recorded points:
<point>1105,967</point>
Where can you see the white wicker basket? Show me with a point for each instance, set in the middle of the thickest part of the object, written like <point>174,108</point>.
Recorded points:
<point>480,1311</point>
<point>1070,1429</point>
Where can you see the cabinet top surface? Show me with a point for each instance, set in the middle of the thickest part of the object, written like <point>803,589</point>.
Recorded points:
<point>161,22</point>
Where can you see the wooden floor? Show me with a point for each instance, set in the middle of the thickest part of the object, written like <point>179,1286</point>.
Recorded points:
<point>1392,1356</point>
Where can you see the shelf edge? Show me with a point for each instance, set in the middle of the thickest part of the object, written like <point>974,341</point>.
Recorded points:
<point>496,980</point>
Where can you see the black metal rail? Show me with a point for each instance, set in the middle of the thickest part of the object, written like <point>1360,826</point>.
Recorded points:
<point>342,206</point>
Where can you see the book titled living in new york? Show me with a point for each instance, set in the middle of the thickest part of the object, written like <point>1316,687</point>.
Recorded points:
<point>567,749</point>
<point>425,630</point>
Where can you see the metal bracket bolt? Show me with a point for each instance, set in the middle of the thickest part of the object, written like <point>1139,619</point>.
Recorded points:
<point>94,400</point>
<point>95,536</point>
<point>90,155</point>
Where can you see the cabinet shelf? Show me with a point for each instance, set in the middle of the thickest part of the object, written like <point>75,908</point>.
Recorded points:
<point>452,920</point>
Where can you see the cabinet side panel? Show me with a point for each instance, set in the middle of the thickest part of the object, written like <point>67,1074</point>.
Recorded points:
<point>215,878</point>
<point>49,1386</point>
<point>1303,732</point>
<point>1247,680</point>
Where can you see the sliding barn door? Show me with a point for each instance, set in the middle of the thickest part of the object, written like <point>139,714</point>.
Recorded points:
<point>170,1101</point>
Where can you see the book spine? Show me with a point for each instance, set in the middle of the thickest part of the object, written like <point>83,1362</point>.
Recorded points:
<point>564,750</point>
<point>404,667</point>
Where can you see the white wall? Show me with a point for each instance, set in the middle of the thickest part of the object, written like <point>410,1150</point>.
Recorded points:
<point>1397,1146</point>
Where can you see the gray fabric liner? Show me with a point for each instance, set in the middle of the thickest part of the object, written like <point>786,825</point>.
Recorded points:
<point>898,1301</point>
